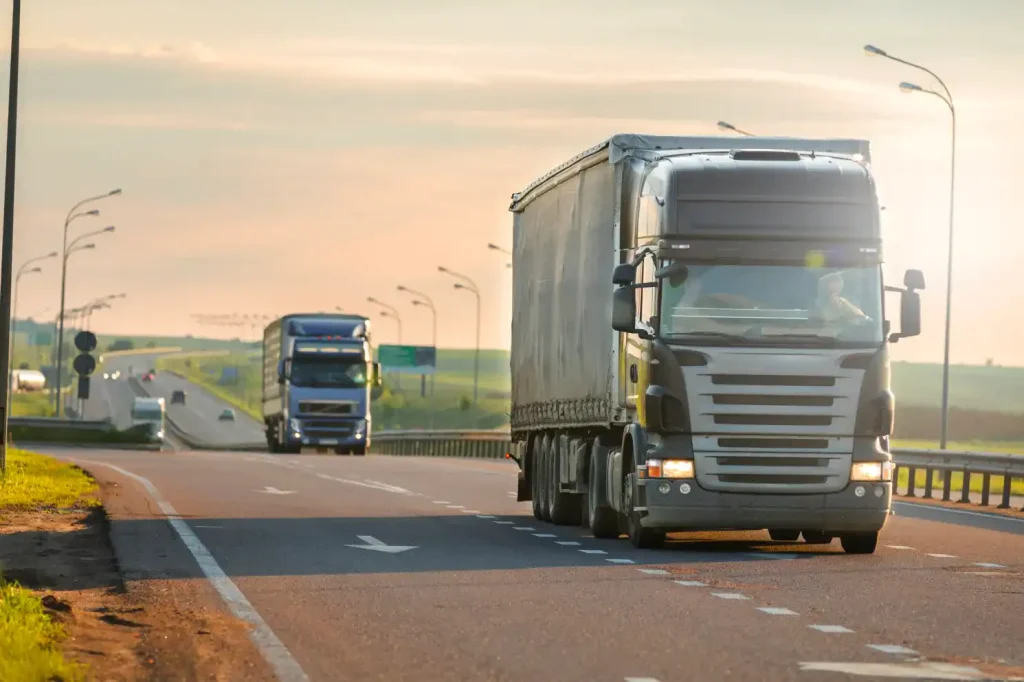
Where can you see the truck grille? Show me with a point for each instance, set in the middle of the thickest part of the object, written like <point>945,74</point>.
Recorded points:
<point>318,408</point>
<point>783,433</point>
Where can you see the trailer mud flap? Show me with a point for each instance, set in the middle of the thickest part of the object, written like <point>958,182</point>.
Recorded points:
<point>523,492</point>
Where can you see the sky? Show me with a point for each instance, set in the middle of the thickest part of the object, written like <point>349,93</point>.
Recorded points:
<point>279,157</point>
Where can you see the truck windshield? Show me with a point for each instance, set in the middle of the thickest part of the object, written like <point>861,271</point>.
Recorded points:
<point>148,414</point>
<point>328,372</point>
<point>773,304</point>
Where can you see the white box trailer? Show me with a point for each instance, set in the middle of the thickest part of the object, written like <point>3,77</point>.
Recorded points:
<point>581,379</point>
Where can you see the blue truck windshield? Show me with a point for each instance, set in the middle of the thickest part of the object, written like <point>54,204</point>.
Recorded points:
<point>333,372</point>
<point>773,303</point>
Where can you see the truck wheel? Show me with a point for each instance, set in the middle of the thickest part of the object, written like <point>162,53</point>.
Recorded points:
<point>784,535</point>
<point>359,451</point>
<point>862,543</point>
<point>816,537</point>
<point>535,478</point>
<point>562,510</point>
<point>545,484</point>
<point>602,520</point>
<point>640,537</point>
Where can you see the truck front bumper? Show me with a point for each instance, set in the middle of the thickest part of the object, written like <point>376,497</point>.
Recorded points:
<point>687,506</point>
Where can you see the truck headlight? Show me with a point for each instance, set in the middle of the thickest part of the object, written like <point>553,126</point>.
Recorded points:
<point>294,425</point>
<point>871,471</point>
<point>670,468</point>
<point>360,430</point>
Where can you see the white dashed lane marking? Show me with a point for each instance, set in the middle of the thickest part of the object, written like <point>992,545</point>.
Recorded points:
<point>441,502</point>
<point>544,535</point>
<point>470,511</point>
<point>485,516</point>
<point>776,611</point>
<point>895,649</point>
<point>653,571</point>
<point>831,629</point>
<point>620,561</point>
<point>730,595</point>
<point>985,565</point>
<point>942,556</point>
<point>593,551</point>
<point>567,543</point>
<point>691,583</point>
<point>523,528</point>
<point>899,547</point>
<point>504,523</point>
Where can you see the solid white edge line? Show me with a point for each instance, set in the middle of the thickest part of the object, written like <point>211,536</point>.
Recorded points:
<point>286,668</point>
<point>984,515</point>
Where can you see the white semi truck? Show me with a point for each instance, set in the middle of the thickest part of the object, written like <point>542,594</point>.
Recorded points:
<point>151,412</point>
<point>700,340</point>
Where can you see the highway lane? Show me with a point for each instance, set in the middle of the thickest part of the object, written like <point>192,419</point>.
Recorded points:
<point>199,415</point>
<point>490,593</point>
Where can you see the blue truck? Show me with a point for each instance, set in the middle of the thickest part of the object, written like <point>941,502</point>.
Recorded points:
<point>319,378</point>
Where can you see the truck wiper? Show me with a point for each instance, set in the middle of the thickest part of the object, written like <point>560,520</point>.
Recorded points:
<point>724,336</point>
<point>822,338</point>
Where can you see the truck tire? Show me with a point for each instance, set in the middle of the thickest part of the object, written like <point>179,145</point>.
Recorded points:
<point>359,451</point>
<point>544,470</point>
<point>816,537</point>
<point>535,478</point>
<point>640,537</point>
<point>560,505</point>
<point>862,543</point>
<point>602,520</point>
<point>784,535</point>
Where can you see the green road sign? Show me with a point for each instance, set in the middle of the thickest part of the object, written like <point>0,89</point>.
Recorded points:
<point>408,359</point>
<point>42,339</point>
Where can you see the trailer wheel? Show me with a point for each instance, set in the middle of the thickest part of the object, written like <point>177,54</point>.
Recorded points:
<point>561,508</point>
<point>602,520</point>
<point>784,535</point>
<point>862,543</point>
<point>535,478</point>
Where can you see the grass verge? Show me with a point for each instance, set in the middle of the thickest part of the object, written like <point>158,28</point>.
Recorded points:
<point>29,638</point>
<point>36,481</point>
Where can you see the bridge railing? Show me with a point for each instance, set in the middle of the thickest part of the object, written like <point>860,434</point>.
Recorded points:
<point>951,472</point>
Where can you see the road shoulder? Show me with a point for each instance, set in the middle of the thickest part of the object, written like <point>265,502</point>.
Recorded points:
<point>131,602</point>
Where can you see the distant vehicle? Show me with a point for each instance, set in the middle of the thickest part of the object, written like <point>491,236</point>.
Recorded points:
<point>106,375</point>
<point>227,415</point>
<point>115,375</point>
<point>28,380</point>
<point>150,411</point>
<point>319,381</point>
<point>148,376</point>
<point>178,397</point>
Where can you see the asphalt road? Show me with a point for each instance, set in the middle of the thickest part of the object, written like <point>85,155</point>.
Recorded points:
<point>199,416</point>
<point>485,592</point>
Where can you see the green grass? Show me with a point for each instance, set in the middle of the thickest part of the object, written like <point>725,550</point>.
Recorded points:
<point>29,640</point>
<point>35,481</point>
<point>35,404</point>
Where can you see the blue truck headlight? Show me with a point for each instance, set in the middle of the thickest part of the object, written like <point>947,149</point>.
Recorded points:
<point>294,425</point>
<point>360,429</point>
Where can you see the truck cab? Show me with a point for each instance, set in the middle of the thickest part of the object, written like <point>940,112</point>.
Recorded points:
<point>319,381</point>
<point>150,412</point>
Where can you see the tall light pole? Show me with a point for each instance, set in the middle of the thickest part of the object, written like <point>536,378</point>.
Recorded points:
<point>57,385</point>
<point>7,250</point>
<point>469,285</point>
<point>947,98</point>
<point>73,214</point>
<point>14,303</point>
<point>495,247</point>
<point>422,299</point>
<point>725,125</point>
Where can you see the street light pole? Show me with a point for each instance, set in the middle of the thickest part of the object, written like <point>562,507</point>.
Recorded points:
<point>947,97</point>
<point>470,285</point>
<point>7,251</point>
<point>725,125</point>
<point>426,302</point>
<point>73,214</point>
<point>57,384</point>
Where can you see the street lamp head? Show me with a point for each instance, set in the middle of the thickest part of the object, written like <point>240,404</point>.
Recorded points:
<point>459,286</point>
<point>93,212</point>
<point>87,246</point>
<point>725,125</point>
<point>416,302</point>
<point>384,313</point>
<point>872,51</point>
<point>33,270</point>
<point>908,88</point>
<point>441,268</point>
<point>371,299</point>
<point>52,254</point>
<point>114,192</point>
<point>401,288</point>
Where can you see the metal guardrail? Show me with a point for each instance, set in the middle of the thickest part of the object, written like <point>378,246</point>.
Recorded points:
<point>61,423</point>
<point>938,466</point>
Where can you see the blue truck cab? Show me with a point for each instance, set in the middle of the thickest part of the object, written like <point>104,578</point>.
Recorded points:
<point>319,378</point>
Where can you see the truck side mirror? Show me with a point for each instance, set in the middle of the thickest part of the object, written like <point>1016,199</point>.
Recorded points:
<point>624,310</point>
<point>623,275</point>
<point>910,314</point>
<point>378,375</point>
<point>914,280</point>
<point>284,370</point>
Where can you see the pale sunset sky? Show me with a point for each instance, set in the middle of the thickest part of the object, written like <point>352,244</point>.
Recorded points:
<point>282,156</point>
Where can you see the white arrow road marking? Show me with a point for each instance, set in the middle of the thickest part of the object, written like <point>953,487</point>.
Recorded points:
<point>908,671</point>
<point>270,490</point>
<point>376,545</point>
